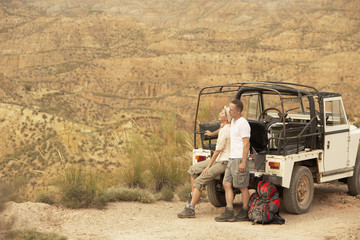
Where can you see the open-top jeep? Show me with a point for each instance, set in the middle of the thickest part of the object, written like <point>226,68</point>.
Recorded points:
<point>298,136</point>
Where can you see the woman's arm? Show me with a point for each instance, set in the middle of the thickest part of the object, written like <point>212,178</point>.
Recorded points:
<point>213,158</point>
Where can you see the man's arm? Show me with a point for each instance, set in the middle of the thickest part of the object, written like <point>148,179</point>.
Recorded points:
<point>246,147</point>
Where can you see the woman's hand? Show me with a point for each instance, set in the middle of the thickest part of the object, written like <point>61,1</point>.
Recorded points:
<point>208,133</point>
<point>205,171</point>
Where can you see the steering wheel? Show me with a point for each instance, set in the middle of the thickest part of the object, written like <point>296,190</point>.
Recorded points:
<point>263,113</point>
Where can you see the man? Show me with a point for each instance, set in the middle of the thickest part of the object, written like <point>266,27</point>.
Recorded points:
<point>237,171</point>
<point>211,168</point>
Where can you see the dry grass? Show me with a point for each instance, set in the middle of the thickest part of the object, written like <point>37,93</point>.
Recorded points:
<point>160,156</point>
<point>80,189</point>
<point>32,234</point>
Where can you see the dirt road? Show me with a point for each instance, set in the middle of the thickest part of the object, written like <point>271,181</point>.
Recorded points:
<point>333,215</point>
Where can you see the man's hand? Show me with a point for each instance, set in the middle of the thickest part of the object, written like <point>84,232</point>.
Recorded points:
<point>242,166</point>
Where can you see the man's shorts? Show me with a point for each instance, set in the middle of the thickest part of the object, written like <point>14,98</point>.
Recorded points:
<point>232,174</point>
<point>215,170</point>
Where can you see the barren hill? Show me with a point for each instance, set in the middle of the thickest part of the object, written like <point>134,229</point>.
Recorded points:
<point>72,73</point>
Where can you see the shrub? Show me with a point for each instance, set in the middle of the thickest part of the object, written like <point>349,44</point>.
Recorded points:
<point>166,194</point>
<point>183,191</point>
<point>32,234</point>
<point>28,87</point>
<point>45,197</point>
<point>79,190</point>
<point>129,194</point>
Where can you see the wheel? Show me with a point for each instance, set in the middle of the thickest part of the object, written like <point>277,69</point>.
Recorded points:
<point>298,197</point>
<point>216,197</point>
<point>354,181</point>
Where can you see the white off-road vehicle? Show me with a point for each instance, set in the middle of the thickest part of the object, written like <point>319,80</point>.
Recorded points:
<point>299,136</point>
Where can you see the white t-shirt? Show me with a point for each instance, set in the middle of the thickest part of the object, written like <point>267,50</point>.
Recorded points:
<point>239,129</point>
<point>223,144</point>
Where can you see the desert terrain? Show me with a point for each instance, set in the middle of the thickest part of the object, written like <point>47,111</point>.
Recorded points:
<point>77,75</point>
<point>334,215</point>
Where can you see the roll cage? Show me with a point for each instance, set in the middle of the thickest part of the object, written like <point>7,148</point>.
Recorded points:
<point>292,137</point>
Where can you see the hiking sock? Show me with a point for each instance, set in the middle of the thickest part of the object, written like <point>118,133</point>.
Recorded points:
<point>230,207</point>
<point>190,206</point>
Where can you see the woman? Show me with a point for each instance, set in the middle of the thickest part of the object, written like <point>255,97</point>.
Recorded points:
<point>211,168</point>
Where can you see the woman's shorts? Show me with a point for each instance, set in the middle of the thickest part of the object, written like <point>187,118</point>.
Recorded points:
<point>215,170</point>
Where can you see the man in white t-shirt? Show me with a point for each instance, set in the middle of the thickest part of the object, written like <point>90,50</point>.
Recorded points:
<point>237,171</point>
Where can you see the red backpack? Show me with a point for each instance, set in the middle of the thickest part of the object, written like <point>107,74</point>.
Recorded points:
<point>264,205</point>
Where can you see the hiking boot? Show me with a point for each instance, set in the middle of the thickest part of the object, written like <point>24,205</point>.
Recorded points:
<point>242,215</point>
<point>227,216</point>
<point>187,213</point>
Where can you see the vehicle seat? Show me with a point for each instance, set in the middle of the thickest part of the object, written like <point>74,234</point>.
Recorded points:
<point>258,137</point>
<point>290,142</point>
<point>206,140</point>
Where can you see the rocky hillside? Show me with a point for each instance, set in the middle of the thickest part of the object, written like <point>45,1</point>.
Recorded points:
<point>75,73</point>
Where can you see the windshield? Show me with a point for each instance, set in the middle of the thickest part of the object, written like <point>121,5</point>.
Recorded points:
<point>294,107</point>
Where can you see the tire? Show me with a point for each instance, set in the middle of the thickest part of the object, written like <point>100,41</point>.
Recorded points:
<point>354,181</point>
<point>216,197</point>
<point>298,197</point>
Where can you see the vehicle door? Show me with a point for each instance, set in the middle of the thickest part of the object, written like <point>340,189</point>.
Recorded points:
<point>336,145</point>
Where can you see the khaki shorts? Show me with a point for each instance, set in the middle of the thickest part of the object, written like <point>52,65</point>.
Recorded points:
<point>215,170</point>
<point>232,174</point>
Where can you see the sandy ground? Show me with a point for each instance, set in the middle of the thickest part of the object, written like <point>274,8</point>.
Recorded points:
<point>333,215</point>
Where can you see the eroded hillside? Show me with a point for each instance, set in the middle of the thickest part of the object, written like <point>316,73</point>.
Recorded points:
<point>74,74</point>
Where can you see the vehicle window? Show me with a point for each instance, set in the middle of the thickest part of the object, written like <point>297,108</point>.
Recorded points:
<point>251,105</point>
<point>296,108</point>
<point>335,113</point>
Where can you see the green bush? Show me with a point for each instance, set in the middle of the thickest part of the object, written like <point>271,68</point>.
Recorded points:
<point>166,194</point>
<point>129,195</point>
<point>45,197</point>
<point>32,234</point>
<point>183,191</point>
<point>80,189</point>
<point>28,87</point>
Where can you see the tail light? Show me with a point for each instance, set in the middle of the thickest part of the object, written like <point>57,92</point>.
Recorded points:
<point>200,158</point>
<point>274,165</point>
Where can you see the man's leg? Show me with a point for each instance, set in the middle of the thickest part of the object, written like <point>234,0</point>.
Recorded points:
<point>242,183</point>
<point>245,197</point>
<point>229,194</point>
<point>243,213</point>
<point>228,215</point>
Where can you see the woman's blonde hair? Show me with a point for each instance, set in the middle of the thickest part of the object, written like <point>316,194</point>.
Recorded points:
<point>227,113</point>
